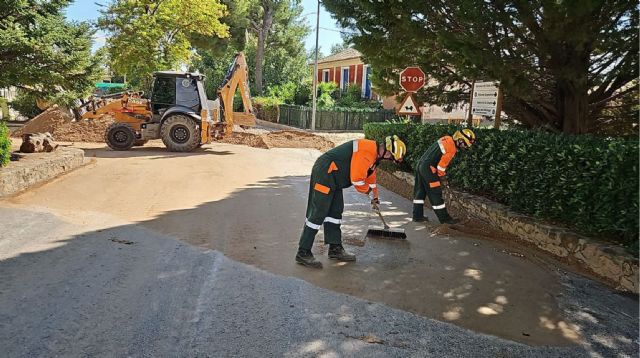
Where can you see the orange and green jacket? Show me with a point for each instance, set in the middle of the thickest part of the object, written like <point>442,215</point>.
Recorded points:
<point>438,156</point>
<point>354,163</point>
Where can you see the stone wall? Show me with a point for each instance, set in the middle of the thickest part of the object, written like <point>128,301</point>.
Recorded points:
<point>609,262</point>
<point>37,168</point>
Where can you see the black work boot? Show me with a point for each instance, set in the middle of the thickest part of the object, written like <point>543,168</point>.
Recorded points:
<point>337,252</point>
<point>420,220</point>
<point>451,221</point>
<point>305,258</point>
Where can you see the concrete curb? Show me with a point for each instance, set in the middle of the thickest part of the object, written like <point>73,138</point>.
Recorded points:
<point>38,168</point>
<point>609,262</point>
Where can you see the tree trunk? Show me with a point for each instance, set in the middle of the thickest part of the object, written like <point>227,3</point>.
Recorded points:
<point>573,106</point>
<point>267,22</point>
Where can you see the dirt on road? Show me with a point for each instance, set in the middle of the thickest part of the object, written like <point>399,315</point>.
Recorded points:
<point>280,139</point>
<point>63,128</point>
<point>250,205</point>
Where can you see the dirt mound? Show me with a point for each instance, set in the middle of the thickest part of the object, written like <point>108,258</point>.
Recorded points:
<point>250,139</point>
<point>280,139</point>
<point>62,127</point>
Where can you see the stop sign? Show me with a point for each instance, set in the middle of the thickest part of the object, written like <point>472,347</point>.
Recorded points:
<point>412,79</point>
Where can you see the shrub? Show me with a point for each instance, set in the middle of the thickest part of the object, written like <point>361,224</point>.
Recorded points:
<point>5,144</point>
<point>25,103</point>
<point>267,108</point>
<point>325,92</point>
<point>285,92</point>
<point>586,182</point>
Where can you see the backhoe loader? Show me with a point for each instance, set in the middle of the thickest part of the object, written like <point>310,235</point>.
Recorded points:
<point>177,110</point>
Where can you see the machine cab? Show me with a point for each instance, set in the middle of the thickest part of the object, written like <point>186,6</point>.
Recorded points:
<point>177,92</point>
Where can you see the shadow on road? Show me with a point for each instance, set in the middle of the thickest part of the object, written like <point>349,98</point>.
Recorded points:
<point>468,282</point>
<point>154,152</point>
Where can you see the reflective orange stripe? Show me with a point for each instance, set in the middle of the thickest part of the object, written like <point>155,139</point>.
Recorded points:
<point>332,167</point>
<point>435,184</point>
<point>321,188</point>
<point>433,170</point>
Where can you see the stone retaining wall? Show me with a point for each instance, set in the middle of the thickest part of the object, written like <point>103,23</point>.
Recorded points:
<point>37,168</point>
<point>609,262</point>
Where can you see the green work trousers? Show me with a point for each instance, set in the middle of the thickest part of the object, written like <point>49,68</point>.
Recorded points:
<point>427,183</point>
<point>324,207</point>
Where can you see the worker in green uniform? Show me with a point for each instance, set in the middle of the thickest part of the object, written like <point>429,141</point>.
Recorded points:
<point>430,174</point>
<point>352,163</point>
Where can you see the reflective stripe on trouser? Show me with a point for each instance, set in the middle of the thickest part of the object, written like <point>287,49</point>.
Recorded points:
<point>322,209</point>
<point>425,186</point>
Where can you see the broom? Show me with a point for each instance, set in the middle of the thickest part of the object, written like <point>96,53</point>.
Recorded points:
<point>386,232</point>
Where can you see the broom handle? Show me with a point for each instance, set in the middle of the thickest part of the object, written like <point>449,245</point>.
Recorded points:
<point>376,208</point>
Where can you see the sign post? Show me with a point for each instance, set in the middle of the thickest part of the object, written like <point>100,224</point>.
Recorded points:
<point>411,80</point>
<point>487,100</point>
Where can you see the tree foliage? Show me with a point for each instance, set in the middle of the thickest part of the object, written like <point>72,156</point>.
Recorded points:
<point>283,56</point>
<point>41,52</point>
<point>560,63</point>
<point>277,26</point>
<point>152,35</point>
<point>338,47</point>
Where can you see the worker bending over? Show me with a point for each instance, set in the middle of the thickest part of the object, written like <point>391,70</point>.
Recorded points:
<point>430,174</point>
<point>352,163</point>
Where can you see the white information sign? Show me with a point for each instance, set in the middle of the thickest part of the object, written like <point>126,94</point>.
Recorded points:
<point>485,98</point>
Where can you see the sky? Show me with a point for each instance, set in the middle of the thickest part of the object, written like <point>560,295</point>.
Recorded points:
<point>88,10</point>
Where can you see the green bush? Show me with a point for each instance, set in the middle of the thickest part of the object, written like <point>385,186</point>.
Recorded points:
<point>324,95</point>
<point>4,109</point>
<point>5,144</point>
<point>586,182</point>
<point>267,108</point>
<point>25,103</point>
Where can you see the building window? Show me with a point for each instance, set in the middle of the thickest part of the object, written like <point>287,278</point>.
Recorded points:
<point>366,82</point>
<point>344,83</point>
<point>325,75</point>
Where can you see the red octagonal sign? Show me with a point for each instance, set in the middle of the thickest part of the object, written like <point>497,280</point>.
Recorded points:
<point>412,79</point>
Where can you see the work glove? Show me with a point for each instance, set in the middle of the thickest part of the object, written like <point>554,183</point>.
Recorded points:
<point>375,204</point>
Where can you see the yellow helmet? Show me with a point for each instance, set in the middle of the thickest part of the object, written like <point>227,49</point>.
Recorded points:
<point>396,147</point>
<point>465,135</point>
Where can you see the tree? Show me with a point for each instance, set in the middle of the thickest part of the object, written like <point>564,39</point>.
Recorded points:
<point>283,58</point>
<point>339,47</point>
<point>275,24</point>
<point>560,63</point>
<point>152,35</point>
<point>42,53</point>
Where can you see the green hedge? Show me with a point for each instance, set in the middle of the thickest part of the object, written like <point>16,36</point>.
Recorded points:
<point>266,108</point>
<point>585,182</point>
<point>5,144</point>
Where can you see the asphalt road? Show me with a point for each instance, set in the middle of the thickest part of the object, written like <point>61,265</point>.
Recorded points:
<point>156,254</point>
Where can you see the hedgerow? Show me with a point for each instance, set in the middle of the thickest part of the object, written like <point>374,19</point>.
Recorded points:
<point>585,182</point>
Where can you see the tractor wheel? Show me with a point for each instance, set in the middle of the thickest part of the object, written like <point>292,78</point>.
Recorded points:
<point>140,142</point>
<point>180,133</point>
<point>120,136</point>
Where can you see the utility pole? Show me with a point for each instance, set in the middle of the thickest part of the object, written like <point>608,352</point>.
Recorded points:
<point>315,73</point>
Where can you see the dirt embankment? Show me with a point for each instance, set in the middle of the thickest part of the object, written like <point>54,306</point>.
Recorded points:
<point>280,139</point>
<point>63,128</point>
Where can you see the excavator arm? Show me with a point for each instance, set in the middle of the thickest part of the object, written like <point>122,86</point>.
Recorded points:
<point>237,77</point>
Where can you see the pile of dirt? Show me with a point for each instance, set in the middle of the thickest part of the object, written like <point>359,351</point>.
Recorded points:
<point>280,139</point>
<point>244,138</point>
<point>63,128</point>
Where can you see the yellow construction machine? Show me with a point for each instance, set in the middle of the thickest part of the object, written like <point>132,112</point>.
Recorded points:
<point>177,110</point>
